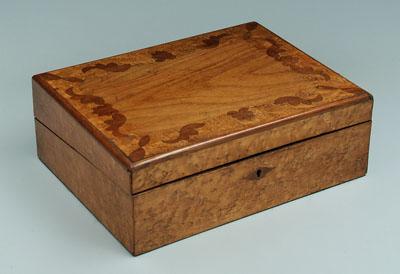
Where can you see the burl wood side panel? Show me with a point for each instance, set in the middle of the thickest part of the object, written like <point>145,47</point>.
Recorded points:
<point>148,103</point>
<point>156,173</point>
<point>108,202</point>
<point>49,112</point>
<point>178,210</point>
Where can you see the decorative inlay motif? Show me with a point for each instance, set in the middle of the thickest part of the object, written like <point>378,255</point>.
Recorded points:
<point>102,109</point>
<point>50,77</point>
<point>110,67</point>
<point>352,90</point>
<point>186,132</point>
<point>242,114</point>
<point>161,56</point>
<point>249,28</point>
<point>213,41</point>
<point>280,54</point>
<point>296,100</point>
<point>139,153</point>
<point>84,99</point>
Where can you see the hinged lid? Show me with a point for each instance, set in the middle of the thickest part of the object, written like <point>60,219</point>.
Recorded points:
<point>175,109</point>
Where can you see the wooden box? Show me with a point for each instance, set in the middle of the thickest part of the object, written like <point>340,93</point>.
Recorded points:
<point>169,141</point>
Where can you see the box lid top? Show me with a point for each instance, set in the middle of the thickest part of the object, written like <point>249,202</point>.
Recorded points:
<point>164,100</point>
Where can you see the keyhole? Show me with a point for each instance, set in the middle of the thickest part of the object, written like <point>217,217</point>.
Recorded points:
<point>258,173</point>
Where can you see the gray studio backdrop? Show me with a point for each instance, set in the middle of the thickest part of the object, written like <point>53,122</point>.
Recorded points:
<point>352,228</point>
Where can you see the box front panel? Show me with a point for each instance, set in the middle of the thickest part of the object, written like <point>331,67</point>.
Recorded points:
<point>180,209</point>
<point>180,166</point>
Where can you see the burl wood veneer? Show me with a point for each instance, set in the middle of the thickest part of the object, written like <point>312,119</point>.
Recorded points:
<point>168,141</point>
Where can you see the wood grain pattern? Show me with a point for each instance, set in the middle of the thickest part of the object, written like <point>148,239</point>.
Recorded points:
<point>194,91</point>
<point>155,173</point>
<point>178,210</point>
<point>109,203</point>
<point>168,141</point>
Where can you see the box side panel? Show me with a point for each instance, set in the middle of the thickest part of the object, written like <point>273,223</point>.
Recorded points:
<point>108,202</point>
<point>185,164</point>
<point>50,113</point>
<point>189,206</point>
